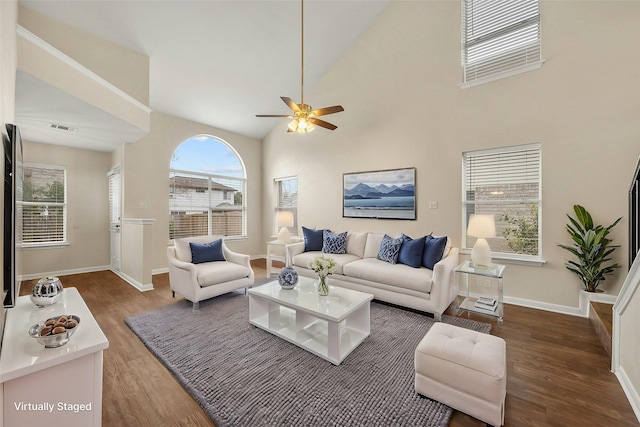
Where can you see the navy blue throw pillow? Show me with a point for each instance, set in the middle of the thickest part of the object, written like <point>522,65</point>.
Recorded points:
<point>411,251</point>
<point>313,239</point>
<point>206,252</point>
<point>433,250</point>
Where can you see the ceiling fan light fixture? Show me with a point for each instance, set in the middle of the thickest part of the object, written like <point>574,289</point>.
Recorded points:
<point>301,125</point>
<point>304,116</point>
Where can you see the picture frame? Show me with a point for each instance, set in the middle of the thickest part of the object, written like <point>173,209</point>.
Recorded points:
<point>381,194</point>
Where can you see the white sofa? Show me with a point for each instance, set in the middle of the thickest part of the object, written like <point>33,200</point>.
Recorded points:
<point>359,269</point>
<point>198,282</point>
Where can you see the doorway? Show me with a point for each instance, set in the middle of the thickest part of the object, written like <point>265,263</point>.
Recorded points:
<point>115,197</point>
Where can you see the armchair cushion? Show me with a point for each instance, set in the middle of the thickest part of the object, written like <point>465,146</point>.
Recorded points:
<point>206,252</point>
<point>219,272</point>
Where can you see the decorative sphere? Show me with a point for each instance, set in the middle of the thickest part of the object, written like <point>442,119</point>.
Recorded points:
<point>47,291</point>
<point>288,278</point>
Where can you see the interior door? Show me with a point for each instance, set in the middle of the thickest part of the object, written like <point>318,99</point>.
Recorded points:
<point>115,204</point>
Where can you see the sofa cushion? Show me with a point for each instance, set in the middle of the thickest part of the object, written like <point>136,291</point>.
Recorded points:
<point>313,239</point>
<point>372,247</point>
<point>206,252</point>
<point>375,270</point>
<point>411,251</point>
<point>213,273</point>
<point>302,260</point>
<point>183,249</point>
<point>334,243</point>
<point>356,243</point>
<point>389,249</point>
<point>433,250</point>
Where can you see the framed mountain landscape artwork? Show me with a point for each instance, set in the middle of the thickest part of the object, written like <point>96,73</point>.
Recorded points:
<point>386,194</point>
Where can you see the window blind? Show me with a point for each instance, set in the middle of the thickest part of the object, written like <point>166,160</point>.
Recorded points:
<point>201,204</point>
<point>286,199</point>
<point>506,183</point>
<point>499,37</point>
<point>44,208</point>
<point>114,198</point>
<point>502,167</point>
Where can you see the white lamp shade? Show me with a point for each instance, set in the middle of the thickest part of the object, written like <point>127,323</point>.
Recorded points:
<point>284,219</point>
<point>481,226</point>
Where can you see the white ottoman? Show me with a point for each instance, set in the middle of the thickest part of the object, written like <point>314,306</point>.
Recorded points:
<point>465,370</point>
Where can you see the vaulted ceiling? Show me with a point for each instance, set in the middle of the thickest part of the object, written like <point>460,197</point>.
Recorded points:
<point>220,62</point>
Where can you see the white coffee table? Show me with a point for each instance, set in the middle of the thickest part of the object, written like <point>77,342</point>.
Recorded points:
<point>329,327</point>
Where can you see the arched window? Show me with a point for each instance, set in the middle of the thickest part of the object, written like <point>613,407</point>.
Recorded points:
<point>207,187</point>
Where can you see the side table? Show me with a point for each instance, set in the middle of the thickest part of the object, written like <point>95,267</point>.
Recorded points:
<point>480,289</point>
<point>276,250</point>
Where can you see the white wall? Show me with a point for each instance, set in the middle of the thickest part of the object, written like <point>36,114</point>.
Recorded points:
<point>87,211</point>
<point>127,70</point>
<point>145,175</point>
<point>399,87</point>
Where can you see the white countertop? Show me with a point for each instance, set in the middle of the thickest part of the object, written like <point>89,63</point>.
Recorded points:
<point>22,355</point>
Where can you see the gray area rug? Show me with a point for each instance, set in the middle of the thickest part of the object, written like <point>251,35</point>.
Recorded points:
<point>244,376</point>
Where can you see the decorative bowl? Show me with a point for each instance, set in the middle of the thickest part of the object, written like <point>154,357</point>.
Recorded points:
<point>68,323</point>
<point>288,278</point>
<point>47,291</point>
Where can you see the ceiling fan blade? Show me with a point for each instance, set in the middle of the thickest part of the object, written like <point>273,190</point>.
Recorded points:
<point>322,123</point>
<point>290,103</point>
<point>327,110</point>
<point>275,115</point>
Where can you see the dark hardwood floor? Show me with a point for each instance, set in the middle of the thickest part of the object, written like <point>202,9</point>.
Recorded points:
<point>558,371</point>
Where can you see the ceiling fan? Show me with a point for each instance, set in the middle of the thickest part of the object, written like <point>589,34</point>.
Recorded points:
<point>305,118</point>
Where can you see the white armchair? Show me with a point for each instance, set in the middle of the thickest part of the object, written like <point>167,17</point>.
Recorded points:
<point>198,282</point>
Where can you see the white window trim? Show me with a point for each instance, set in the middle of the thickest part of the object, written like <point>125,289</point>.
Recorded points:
<point>508,72</point>
<point>502,75</point>
<point>276,182</point>
<point>531,260</point>
<point>64,204</point>
<point>510,258</point>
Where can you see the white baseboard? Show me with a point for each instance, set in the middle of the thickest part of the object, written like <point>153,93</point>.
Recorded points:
<point>66,272</point>
<point>581,311</point>
<point>629,390</point>
<point>160,270</point>
<point>539,305</point>
<point>139,286</point>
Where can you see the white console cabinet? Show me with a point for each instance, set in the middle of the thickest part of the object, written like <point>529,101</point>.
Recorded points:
<point>51,386</point>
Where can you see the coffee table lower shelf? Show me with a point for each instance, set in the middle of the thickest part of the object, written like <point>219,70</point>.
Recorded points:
<point>332,341</point>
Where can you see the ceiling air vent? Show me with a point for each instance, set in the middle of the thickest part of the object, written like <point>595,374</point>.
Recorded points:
<point>63,127</point>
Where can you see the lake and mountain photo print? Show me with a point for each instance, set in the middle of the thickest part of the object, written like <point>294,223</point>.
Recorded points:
<point>388,194</point>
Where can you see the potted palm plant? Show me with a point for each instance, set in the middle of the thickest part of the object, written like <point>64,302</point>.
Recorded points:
<point>592,248</point>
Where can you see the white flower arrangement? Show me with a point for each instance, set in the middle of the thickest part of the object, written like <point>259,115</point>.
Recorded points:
<point>322,265</point>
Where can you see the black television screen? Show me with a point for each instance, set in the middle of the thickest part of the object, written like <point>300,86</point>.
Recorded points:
<point>13,180</point>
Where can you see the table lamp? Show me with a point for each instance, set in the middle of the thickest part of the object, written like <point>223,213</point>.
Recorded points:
<point>284,219</point>
<point>481,226</point>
